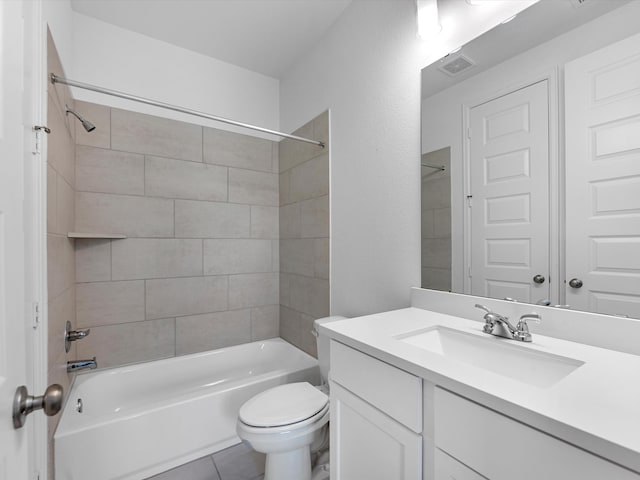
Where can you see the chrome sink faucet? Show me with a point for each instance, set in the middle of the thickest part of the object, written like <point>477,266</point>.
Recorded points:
<point>499,325</point>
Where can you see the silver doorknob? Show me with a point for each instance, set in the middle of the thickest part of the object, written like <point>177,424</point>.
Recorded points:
<point>539,279</point>
<point>24,404</point>
<point>575,283</point>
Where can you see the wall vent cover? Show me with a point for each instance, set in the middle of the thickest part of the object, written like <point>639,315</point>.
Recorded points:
<point>455,65</point>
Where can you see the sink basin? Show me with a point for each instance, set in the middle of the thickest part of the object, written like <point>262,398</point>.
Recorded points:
<point>498,355</point>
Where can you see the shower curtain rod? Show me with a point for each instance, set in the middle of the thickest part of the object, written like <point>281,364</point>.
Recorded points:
<point>437,167</point>
<point>72,83</point>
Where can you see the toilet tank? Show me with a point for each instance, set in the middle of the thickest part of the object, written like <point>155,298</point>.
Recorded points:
<point>322,341</point>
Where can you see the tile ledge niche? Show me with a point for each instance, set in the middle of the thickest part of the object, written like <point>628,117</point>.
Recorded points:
<point>95,235</point>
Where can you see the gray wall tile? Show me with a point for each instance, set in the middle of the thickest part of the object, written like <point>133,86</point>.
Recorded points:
<point>310,179</point>
<point>314,217</point>
<point>321,257</point>
<point>198,333</point>
<point>65,208</point>
<point>93,260</point>
<point>293,153</point>
<point>139,258</point>
<point>290,221</point>
<point>257,188</point>
<point>264,222</point>
<point>60,264</point>
<point>265,322</point>
<point>139,133</point>
<point>185,296</point>
<point>106,213</point>
<point>60,145</point>
<point>129,342</point>
<point>165,177</point>
<point>290,325</point>
<point>212,220</point>
<point>237,150</point>
<point>107,303</point>
<point>297,256</point>
<point>224,256</point>
<point>108,171</point>
<point>253,290</point>
<point>100,116</point>
<point>310,296</point>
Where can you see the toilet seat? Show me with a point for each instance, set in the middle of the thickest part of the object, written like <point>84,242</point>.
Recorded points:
<point>284,406</point>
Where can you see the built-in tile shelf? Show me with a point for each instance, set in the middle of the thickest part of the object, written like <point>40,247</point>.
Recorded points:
<point>95,235</point>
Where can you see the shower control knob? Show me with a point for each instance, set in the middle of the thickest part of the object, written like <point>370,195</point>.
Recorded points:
<point>539,279</point>
<point>575,283</point>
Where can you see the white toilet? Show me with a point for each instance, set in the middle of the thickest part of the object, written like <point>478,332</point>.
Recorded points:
<point>284,422</point>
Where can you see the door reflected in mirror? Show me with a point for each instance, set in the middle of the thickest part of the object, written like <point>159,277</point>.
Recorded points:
<point>539,200</point>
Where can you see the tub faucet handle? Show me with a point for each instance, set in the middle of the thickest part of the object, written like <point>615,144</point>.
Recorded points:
<point>71,335</point>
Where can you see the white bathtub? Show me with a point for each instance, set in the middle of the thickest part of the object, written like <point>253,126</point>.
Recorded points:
<point>143,419</point>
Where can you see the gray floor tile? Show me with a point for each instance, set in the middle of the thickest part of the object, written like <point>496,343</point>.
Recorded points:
<point>201,469</point>
<point>239,462</point>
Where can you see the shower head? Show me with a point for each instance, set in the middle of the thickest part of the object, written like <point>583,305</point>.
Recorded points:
<point>88,126</point>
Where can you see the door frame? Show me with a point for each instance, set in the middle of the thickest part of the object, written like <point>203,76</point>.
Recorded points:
<point>556,180</point>
<point>35,206</point>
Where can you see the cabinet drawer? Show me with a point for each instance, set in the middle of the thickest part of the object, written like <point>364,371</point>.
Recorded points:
<point>394,391</point>
<point>448,468</point>
<point>488,443</point>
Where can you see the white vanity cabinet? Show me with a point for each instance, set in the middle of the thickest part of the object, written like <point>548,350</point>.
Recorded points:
<point>500,448</point>
<point>376,419</point>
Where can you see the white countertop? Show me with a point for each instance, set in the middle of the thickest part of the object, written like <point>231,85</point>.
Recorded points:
<point>596,407</point>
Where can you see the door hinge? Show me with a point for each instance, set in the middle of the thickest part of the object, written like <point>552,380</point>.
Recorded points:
<point>469,132</point>
<point>36,315</point>
<point>38,129</point>
<point>469,201</point>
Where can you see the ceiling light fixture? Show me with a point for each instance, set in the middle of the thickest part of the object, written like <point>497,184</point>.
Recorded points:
<point>428,20</point>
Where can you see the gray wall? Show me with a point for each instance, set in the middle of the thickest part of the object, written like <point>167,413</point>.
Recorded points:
<point>199,267</point>
<point>304,232</point>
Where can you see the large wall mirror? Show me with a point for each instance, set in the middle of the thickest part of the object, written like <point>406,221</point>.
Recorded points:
<point>531,160</point>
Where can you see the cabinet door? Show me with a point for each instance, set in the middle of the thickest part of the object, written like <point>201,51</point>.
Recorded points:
<point>367,444</point>
<point>448,468</point>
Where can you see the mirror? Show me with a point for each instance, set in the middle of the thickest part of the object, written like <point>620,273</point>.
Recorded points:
<point>531,160</point>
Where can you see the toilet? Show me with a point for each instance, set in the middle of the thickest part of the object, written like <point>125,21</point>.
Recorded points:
<point>288,421</point>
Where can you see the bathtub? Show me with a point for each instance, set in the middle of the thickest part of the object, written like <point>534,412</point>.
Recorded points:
<point>143,419</point>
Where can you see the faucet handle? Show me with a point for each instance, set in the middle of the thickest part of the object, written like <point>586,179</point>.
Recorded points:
<point>522,328</point>
<point>482,307</point>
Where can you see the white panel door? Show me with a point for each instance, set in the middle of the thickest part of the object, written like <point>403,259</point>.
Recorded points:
<point>603,180</point>
<point>367,444</point>
<point>509,186</point>
<point>14,444</point>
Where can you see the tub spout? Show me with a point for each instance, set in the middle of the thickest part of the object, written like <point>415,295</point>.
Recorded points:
<point>81,365</point>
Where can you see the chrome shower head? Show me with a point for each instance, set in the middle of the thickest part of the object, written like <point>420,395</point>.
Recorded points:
<point>88,126</point>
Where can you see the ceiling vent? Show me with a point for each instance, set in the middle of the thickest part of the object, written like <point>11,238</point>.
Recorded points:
<point>455,64</point>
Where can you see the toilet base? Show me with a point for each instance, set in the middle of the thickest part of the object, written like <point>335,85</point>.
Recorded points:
<point>292,464</point>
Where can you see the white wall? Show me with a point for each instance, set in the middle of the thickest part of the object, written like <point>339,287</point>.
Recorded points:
<point>366,70</point>
<point>119,59</point>
<point>442,113</point>
<point>57,14</point>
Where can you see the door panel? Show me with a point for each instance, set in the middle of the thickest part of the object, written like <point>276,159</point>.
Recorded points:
<point>13,326</point>
<point>509,172</point>
<point>603,179</point>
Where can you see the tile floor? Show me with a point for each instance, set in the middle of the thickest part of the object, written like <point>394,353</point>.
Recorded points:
<point>239,462</point>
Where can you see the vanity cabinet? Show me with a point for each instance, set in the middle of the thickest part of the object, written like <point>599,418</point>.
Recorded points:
<point>376,419</point>
<point>500,448</point>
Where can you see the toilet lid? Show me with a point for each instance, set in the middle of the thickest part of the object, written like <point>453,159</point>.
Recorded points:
<point>283,405</point>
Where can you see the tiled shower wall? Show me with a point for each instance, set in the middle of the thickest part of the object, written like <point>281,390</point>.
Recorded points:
<point>304,233</point>
<point>436,220</point>
<point>199,267</point>
<point>60,220</point>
